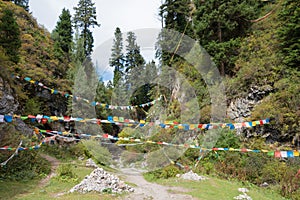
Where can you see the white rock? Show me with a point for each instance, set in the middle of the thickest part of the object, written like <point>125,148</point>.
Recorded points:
<point>244,190</point>
<point>192,176</point>
<point>100,180</point>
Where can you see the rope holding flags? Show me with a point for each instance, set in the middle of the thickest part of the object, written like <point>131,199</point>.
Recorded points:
<point>120,121</point>
<point>13,155</point>
<point>139,141</point>
<point>92,103</point>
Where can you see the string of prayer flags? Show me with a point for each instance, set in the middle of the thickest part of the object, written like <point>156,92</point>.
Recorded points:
<point>92,103</point>
<point>139,141</point>
<point>11,157</point>
<point>120,121</point>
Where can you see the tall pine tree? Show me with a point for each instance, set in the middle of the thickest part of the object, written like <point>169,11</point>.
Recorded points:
<point>133,56</point>
<point>176,15</point>
<point>117,57</point>
<point>63,32</point>
<point>85,17</point>
<point>10,35</point>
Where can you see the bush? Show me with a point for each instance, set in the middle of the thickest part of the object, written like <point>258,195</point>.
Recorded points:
<point>101,154</point>
<point>166,172</point>
<point>27,164</point>
<point>169,172</point>
<point>65,173</point>
<point>290,184</point>
<point>67,152</point>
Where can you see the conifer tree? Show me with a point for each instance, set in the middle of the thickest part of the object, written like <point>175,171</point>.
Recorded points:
<point>85,17</point>
<point>289,33</point>
<point>117,57</point>
<point>219,24</point>
<point>10,35</point>
<point>63,32</point>
<point>176,15</point>
<point>78,49</point>
<point>133,56</point>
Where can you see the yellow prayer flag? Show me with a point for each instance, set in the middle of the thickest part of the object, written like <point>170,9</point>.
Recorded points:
<point>116,119</point>
<point>54,118</point>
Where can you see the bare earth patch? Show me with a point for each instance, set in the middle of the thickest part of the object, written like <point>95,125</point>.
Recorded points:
<point>145,190</point>
<point>54,164</point>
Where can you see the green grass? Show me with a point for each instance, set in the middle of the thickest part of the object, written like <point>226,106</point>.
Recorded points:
<point>58,189</point>
<point>9,189</point>
<point>214,188</point>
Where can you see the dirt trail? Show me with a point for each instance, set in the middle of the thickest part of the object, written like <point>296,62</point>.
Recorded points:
<point>147,191</point>
<point>54,164</point>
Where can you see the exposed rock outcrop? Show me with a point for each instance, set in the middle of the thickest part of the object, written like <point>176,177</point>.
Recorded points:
<point>8,103</point>
<point>241,108</point>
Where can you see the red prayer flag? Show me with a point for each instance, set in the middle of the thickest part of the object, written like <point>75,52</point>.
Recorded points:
<point>277,154</point>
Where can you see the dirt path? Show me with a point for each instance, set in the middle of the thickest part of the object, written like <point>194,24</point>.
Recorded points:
<point>54,164</point>
<point>148,191</point>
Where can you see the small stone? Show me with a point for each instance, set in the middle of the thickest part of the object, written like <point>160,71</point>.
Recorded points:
<point>265,184</point>
<point>244,190</point>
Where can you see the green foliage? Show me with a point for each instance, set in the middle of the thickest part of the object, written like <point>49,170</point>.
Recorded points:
<point>67,152</point>
<point>65,173</point>
<point>85,17</point>
<point>117,57</point>
<point>228,139</point>
<point>98,152</point>
<point>23,3</point>
<point>169,172</point>
<point>164,173</point>
<point>219,25</point>
<point>290,184</point>
<point>32,107</point>
<point>10,35</point>
<point>62,34</point>
<point>133,56</point>
<point>26,165</point>
<point>289,33</point>
<point>176,15</point>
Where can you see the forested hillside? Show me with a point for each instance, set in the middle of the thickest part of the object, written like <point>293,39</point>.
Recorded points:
<point>254,45</point>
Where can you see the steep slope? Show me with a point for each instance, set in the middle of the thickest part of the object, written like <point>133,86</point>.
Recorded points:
<point>38,62</point>
<point>17,96</point>
<point>264,86</point>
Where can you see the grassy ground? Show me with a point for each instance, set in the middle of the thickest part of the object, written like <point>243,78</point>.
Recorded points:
<point>54,189</point>
<point>214,188</point>
<point>9,189</point>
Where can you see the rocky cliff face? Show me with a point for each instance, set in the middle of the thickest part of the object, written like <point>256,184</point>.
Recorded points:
<point>240,109</point>
<point>8,103</point>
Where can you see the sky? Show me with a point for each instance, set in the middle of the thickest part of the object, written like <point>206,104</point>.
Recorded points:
<point>128,15</point>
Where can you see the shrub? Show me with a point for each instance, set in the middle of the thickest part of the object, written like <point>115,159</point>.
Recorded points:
<point>169,172</point>
<point>67,152</point>
<point>65,173</point>
<point>101,154</point>
<point>166,172</point>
